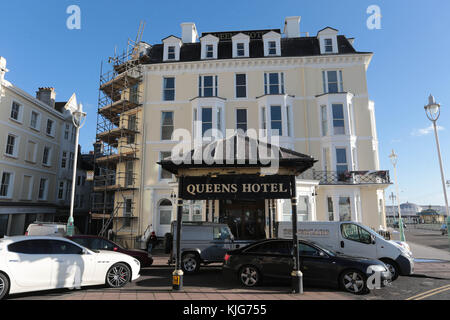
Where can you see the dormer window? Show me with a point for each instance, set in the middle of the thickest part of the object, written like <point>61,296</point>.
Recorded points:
<point>328,40</point>
<point>209,51</point>
<point>272,44</point>
<point>172,47</point>
<point>241,45</point>
<point>171,53</point>
<point>209,45</point>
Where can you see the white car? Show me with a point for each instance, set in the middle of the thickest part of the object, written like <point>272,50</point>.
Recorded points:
<point>34,263</point>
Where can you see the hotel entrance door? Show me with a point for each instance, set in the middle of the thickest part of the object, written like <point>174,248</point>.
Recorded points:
<point>246,218</point>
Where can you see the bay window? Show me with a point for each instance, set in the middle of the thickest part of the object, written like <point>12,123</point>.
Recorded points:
<point>338,119</point>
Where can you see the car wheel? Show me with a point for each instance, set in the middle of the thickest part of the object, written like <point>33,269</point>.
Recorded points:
<point>353,281</point>
<point>4,286</point>
<point>118,275</point>
<point>249,276</point>
<point>190,263</point>
<point>392,267</point>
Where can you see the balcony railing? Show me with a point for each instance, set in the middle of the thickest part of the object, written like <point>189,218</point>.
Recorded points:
<point>348,177</point>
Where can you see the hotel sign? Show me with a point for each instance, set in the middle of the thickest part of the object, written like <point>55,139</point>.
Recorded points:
<point>253,34</point>
<point>236,187</point>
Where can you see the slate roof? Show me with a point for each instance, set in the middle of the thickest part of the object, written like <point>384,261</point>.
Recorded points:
<point>290,47</point>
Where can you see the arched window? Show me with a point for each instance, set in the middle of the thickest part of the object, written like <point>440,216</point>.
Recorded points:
<point>165,212</point>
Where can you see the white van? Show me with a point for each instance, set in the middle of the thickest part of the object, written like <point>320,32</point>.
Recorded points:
<point>48,229</point>
<point>353,239</point>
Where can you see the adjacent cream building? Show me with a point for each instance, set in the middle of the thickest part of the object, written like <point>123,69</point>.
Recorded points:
<point>36,156</point>
<point>312,90</point>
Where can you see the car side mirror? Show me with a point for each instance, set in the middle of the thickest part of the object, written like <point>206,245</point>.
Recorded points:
<point>372,238</point>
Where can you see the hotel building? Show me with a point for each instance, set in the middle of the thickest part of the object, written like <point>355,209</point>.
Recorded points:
<point>310,89</point>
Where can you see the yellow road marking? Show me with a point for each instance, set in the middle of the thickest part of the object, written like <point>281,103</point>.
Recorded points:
<point>431,292</point>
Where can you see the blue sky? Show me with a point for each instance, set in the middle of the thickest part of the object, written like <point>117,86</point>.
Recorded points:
<point>410,60</point>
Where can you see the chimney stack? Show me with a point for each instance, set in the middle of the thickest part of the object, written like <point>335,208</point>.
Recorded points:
<point>188,32</point>
<point>47,95</point>
<point>3,69</point>
<point>292,27</point>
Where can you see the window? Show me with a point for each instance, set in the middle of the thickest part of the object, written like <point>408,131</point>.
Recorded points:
<point>241,119</point>
<point>274,83</point>
<point>66,132</point>
<point>303,208</point>
<point>241,85</point>
<point>209,51</point>
<point>272,47</point>
<point>46,156</point>
<point>330,209</point>
<point>207,86</point>
<point>11,149</point>
<point>64,247</point>
<point>166,125</point>
<point>165,212</point>
<point>308,251</point>
<point>169,89</point>
<point>42,195</point>
<point>128,212</point>
<point>338,119</point>
<point>192,210</point>
<point>276,121</point>
<point>31,151</point>
<point>71,160</point>
<point>49,129</point>
<point>134,93</point>
<point>344,209</point>
<point>341,160</point>
<point>15,111</point>
<point>221,233</point>
<point>332,81</point>
<point>328,45</point>
<point>6,188</point>
<point>171,53</point>
<point>206,120</point>
<point>61,190</point>
<point>272,247</point>
<point>164,174</point>
<point>240,49</point>
<point>129,177</point>
<point>131,138</point>
<point>324,120</point>
<point>72,136</point>
<point>34,121</point>
<point>354,232</point>
<point>31,247</point>
<point>263,119</point>
<point>64,159</point>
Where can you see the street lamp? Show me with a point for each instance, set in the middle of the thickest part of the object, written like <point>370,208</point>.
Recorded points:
<point>394,159</point>
<point>433,111</point>
<point>78,119</point>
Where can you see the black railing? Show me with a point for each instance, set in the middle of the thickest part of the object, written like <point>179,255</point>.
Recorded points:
<point>348,177</point>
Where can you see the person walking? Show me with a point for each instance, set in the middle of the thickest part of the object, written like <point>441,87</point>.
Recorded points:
<point>152,241</point>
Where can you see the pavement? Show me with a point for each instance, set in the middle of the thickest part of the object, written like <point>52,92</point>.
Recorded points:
<point>431,281</point>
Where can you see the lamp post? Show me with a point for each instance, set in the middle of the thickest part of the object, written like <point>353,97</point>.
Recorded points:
<point>394,159</point>
<point>78,119</point>
<point>433,111</point>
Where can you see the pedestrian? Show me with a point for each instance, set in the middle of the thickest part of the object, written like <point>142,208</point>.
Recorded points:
<point>152,241</point>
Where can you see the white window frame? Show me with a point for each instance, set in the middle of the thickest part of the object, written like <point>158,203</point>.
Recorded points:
<point>244,39</point>
<point>49,156</point>
<point>15,145</point>
<point>267,85</point>
<point>201,85</point>
<point>324,120</point>
<point>347,163</point>
<point>38,120</point>
<point>10,189</point>
<point>45,191</point>
<point>338,119</point>
<point>61,189</point>
<point>160,178</point>
<point>19,112</point>
<point>172,89</point>
<point>162,124</point>
<point>246,118</point>
<point>52,129</point>
<point>325,82</point>
<point>236,86</point>
<point>175,42</point>
<point>272,36</point>
<point>208,40</point>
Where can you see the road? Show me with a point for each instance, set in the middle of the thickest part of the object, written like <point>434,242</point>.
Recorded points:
<point>431,281</point>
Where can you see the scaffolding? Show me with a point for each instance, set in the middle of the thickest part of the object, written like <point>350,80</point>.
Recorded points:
<point>117,149</point>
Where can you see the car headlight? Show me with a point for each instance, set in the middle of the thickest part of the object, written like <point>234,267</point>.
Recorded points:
<point>137,262</point>
<point>376,268</point>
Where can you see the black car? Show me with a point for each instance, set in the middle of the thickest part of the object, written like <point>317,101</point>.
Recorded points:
<point>273,259</point>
